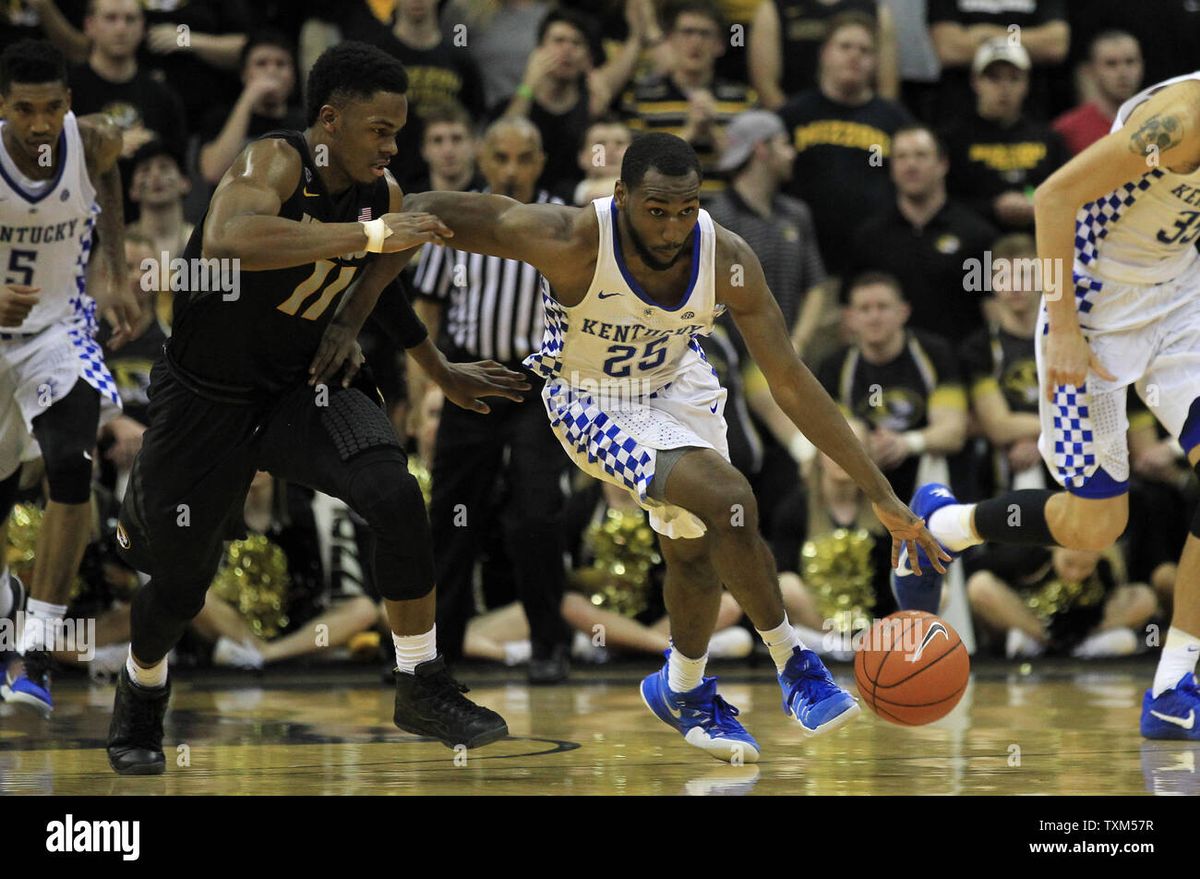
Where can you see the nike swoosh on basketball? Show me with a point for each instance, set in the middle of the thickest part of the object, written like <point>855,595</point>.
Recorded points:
<point>608,295</point>
<point>1187,723</point>
<point>935,629</point>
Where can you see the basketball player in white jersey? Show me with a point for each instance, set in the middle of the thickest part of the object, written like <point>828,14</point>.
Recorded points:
<point>629,282</point>
<point>58,184</point>
<point>1130,316</point>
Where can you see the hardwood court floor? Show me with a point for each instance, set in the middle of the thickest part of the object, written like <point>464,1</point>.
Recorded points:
<point>1061,729</point>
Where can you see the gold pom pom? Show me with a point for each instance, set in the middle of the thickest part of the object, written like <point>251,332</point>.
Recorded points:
<point>625,553</point>
<point>254,579</point>
<point>836,568</point>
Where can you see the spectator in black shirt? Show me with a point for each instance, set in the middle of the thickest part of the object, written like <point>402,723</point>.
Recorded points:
<point>842,132</point>
<point>440,69</point>
<point>960,28</point>
<point>58,21</point>
<point>997,155</point>
<point>786,39</point>
<point>561,95</point>
<point>268,79</point>
<point>113,83</point>
<point>904,383</point>
<point>924,238</point>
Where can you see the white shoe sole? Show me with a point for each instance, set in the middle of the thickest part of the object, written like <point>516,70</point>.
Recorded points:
<point>719,749</point>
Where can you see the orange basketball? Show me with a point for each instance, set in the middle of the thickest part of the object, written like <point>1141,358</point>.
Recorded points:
<point>911,668</point>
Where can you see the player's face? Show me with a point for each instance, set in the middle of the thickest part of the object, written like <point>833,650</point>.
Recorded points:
<point>116,27</point>
<point>603,150</point>
<point>1001,90</point>
<point>848,57</point>
<point>364,134</point>
<point>660,213</point>
<point>447,148</point>
<point>569,48</point>
<point>916,167</point>
<point>512,161</point>
<point>877,314</point>
<point>1117,66</point>
<point>36,113</point>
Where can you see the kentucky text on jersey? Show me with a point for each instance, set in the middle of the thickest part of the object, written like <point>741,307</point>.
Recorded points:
<point>38,234</point>
<point>633,332</point>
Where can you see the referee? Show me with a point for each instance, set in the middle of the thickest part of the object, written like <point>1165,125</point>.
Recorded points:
<point>495,313</point>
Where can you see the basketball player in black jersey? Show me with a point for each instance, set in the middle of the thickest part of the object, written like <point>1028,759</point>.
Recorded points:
<point>307,214</point>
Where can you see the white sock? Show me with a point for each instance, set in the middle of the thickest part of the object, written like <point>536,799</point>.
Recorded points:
<point>40,617</point>
<point>951,526</point>
<point>6,594</point>
<point>412,650</point>
<point>1178,658</point>
<point>781,640</point>
<point>150,678</point>
<point>684,674</point>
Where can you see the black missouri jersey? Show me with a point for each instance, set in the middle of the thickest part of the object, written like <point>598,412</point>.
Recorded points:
<point>262,336</point>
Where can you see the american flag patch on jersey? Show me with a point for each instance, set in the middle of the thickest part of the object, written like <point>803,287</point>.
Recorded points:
<point>364,216</point>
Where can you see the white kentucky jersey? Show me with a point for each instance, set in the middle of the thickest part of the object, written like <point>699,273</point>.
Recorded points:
<point>46,232</point>
<point>618,340</point>
<point>1144,232</point>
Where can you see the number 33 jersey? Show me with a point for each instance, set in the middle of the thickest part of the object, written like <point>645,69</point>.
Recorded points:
<point>255,331</point>
<point>618,340</point>
<point>46,232</point>
<point>1144,232</point>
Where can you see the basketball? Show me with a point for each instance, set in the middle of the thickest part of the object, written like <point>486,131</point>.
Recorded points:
<point>912,668</point>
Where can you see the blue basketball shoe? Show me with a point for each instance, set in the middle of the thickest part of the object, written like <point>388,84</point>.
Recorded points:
<point>705,720</point>
<point>31,687</point>
<point>811,696</point>
<point>1174,713</point>
<point>922,591</point>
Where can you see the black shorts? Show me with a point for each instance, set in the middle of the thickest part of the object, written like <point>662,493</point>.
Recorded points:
<point>189,482</point>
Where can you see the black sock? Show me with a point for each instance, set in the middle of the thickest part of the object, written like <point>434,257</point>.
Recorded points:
<point>1015,517</point>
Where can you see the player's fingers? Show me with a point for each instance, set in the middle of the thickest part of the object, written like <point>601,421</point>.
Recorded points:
<point>481,407</point>
<point>895,552</point>
<point>1098,368</point>
<point>914,561</point>
<point>933,552</point>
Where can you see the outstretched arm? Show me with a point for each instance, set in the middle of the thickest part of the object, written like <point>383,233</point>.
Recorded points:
<point>801,396</point>
<point>538,234</point>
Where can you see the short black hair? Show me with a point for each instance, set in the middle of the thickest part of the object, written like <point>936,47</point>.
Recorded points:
<point>33,62</point>
<point>874,278</point>
<point>1106,36</point>
<point>266,37</point>
<point>582,22</point>
<point>912,127</point>
<point>675,8</point>
<point>352,70</point>
<point>152,149</point>
<point>667,154</point>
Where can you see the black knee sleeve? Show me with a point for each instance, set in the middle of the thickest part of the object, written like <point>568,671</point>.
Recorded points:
<point>8,493</point>
<point>66,433</point>
<point>387,496</point>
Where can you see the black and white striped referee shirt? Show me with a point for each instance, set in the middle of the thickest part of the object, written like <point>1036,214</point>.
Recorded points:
<point>494,305</point>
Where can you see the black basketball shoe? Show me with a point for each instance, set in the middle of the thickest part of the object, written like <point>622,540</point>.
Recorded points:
<point>136,733</point>
<point>430,703</point>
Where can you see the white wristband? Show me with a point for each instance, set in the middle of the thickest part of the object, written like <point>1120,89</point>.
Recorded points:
<point>801,450</point>
<point>377,231</point>
<point>915,440</point>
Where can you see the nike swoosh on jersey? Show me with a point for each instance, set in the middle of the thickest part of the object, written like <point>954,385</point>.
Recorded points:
<point>609,295</point>
<point>311,194</point>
